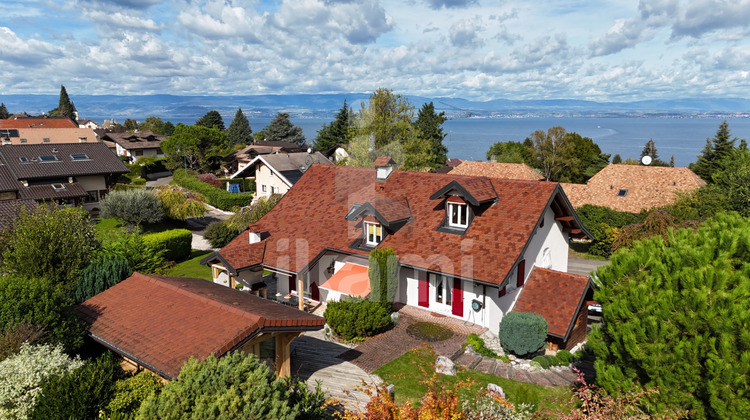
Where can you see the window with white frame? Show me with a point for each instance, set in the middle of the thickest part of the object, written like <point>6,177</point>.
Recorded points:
<point>443,291</point>
<point>458,215</point>
<point>263,188</point>
<point>373,233</point>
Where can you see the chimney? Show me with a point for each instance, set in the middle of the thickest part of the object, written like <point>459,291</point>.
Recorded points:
<point>254,237</point>
<point>383,167</point>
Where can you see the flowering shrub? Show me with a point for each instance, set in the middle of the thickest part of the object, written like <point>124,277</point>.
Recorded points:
<point>21,375</point>
<point>493,407</point>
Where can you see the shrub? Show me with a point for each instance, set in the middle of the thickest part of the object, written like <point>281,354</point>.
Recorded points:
<point>251,214</point>
<point>216,197</point>
<point>311,404</point>
<point>175,243</point>
<point>150,165</point>
<point>545,362</point>
<point>493,407</point>
<point>140,257</point>
<point>478,345</point>
<point>356,318</point>
<point>133,206</point>
<point>235,386</point>
<point>246,184</point>
<point>104,272</point>
<point>129,393</point>
<point>604,223</point>
<point>21,375</point>
<point>81,393</point>
<point>383,273</point>
<point>210,179</point>
<point>39,302</point>
<point>139,181</point>
<point>522,333</point>
<point>179,203</point>
<point>14,335</point>
<point>564,357</point>
<point>218,234</point>
<point>125,187</point>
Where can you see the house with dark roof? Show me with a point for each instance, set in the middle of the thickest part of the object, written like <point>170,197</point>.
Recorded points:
<point>159,323</point>
<point>243,157</point>
<point>68,174</point>
<point>498,170</point>
<point>276,173</point>
<point>467,246</point>
<point>633,188</point>
<point>136,145</point>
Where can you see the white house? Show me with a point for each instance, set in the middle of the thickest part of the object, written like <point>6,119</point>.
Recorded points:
<point>276,173</point>
<point>468,247</point>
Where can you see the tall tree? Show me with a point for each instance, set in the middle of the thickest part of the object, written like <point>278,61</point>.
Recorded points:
<point>4,115</point>
<point>675,316</point>
<point>509,152</point>
<point>552,152</point>
<point>130,124</point>
<point>194,146</point>
<point>585,159</point>
<point>429,125</point>
<point>65,107</point>
<point>650,150</point>
<point>337,132</point>
<point>715,150</point>
<point>281,129</point>
<point>212,119</point>
<point>733,178</point>
<point>387,118</point>
<point>239,131</point>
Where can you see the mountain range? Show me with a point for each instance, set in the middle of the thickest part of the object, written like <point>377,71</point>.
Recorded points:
<point>326,105</point>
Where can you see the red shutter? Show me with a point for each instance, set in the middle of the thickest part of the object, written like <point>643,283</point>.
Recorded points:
<point>423,287</point>
<point>501,293</point>
<point>521,273</point>
<point>458,298</point>
<point>314,292</point>
<point>292,283</point>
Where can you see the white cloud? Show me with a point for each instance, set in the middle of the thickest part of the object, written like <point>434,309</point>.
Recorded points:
<point>464,34</point>
<point>25,52</point>
<point>121,20</point>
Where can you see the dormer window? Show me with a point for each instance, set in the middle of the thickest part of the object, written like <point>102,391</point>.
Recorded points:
<point>373,233</point>
<point>458,213</point>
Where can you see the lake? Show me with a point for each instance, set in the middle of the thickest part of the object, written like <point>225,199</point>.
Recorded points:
<point>470,138</point>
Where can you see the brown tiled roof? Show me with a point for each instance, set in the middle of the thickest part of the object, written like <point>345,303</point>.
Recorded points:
<point>383,161</point>
<point>453,162</point>
<point>556,296</point>
<point>160,322</point>
<point>311,218</point>
<point>498,170</point>
<point>48,192</point>
<point>239,257</point>
<point>9,209</point>
<point>133,141</point>
<point>633,188</point>
<point>100,160</point>
<point>8,181</point>
<point>34,122</point>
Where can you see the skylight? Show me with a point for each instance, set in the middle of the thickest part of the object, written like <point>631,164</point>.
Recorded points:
<point>24,159</point>
<point>79,156</point>
<point>622,193</point>
<point>49,158</point>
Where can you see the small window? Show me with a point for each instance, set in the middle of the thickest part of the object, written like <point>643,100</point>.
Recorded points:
<point>458,215</point>
<point>263,188</point>
<point>622,193</point>
<point>49,158</point>
<point>442,289</point>
<point>374,233</point>
<point>93,196</point>
<point>46,139</point>
<point>158,151</point>
<point>79,156</point>
<point>58,187</point>
<point>139,152</point>
<point>24,159</point>
<point>23,140</point>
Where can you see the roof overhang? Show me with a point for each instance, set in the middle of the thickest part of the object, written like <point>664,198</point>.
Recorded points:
<point>455,188</point>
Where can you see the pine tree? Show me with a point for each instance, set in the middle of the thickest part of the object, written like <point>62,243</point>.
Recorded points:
<point>715,150</point>
<point>4,115</point>
<point>337,132</point>
<point>212,119</point>
<point>650,150</point>
<point>675,318</point>
<point>430,126</point>
<point>281,129</point>
<point>616,159</point>
<point>65,107</point>
<point>239,131</point>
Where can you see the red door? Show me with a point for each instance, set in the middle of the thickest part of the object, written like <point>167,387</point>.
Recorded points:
<point>423,289</point>
<point>292,283</point>
<point>458,298</point>
<point>314,292</point>
<point>521,273</point>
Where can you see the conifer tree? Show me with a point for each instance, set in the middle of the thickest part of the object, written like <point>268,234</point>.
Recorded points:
<point>212,119</point>
<point>65,107</point>
<point>715,150</point>
<point>239,131</point>
<point>281,129</point>
<point>337,132</point>
<point>675,318</point>
<point>430,126</point>
<point>4,115</point>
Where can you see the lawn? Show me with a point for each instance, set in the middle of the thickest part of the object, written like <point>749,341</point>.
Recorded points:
<point>111,230</point>
<point>192,267</point>
<point>405,373</point>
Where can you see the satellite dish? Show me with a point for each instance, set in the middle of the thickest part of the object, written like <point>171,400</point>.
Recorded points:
<point>646,160</point>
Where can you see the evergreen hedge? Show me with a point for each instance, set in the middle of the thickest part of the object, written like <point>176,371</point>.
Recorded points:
<point>356,318</point>
<point>175,242</point>
<point>103,272</point>
<point>523,333</point>
<point>216,197</point>
<point>383,273</point>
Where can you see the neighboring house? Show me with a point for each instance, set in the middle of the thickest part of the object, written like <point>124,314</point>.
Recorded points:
<point>243,157</point>
<point>467,245</point>
<point>40,135</point>
<point>136,145</point>
<point>276,173</point>
<point>68,174</point>
<point>86,123</point>
<point>159,323</point>
<point>498,170</point>
<point>450,163</point>
<point>37,122</point>
<point>338,153</point>
<point>633,188</point>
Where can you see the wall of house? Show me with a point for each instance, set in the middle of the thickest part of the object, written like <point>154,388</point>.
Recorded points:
<point>92,182</point>
<point>549,237</point>
<point>147,153</point>
<point>121,151</point>
<point>265,177</point>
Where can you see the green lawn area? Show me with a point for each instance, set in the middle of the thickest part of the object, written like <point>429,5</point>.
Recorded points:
<point>192,267</point>
<point>111,230</point>
<point>405,373</point>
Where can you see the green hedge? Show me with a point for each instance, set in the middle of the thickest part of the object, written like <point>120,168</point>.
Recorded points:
<point>357,318</point>
<point>216,197</point>
<point>176,242</point>
<point>563,358</point>
<point>123,187</point>
<point>139,181</point>
<point>523,333</point>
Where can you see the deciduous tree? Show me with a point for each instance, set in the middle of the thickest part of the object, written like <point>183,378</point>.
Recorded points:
<point>281,129</point>
<point>510,152</point>
<point>239,131</point>
<point>130,124</point>
<point>197,147</point>
<point>552,152</point>
<point>675,316</point>
<point>212,119</point>
<point>387,119</point>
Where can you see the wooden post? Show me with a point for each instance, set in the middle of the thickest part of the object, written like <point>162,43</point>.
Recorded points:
<point>231,282</point>
<point>283,356</point>
<point>300,293</point>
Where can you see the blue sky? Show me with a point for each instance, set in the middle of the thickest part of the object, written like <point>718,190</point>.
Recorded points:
<point>596,50</point>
